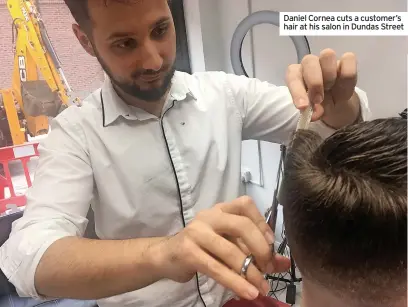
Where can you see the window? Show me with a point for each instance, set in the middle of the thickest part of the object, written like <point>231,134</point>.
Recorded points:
<point>183,57</point>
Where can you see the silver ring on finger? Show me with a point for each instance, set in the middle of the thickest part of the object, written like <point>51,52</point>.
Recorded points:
<point>247,262</point>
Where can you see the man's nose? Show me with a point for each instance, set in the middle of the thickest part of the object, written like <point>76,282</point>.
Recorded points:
<point>151,59</point>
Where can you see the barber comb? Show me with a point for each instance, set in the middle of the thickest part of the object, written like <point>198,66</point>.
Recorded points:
<point>305,118</point>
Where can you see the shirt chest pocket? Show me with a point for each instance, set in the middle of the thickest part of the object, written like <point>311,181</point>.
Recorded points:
<point>135,187</point>
<point>130,205</point>
<point>130,149</point>
<point>133,166</point>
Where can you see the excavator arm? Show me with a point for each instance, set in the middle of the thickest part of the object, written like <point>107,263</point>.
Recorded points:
<point>39,87</point>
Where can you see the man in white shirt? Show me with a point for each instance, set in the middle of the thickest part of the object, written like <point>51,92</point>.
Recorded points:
<point>157,154</point>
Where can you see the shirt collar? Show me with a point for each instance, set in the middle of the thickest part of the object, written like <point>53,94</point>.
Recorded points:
<point>114,107</point>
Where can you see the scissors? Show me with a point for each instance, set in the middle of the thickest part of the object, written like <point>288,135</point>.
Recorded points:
<point>272,213</point>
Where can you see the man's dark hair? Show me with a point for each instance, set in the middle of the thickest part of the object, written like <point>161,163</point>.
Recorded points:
<point>79,10</point>
<point>345,209</point>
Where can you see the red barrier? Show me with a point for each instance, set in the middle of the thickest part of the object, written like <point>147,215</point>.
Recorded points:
<point>22,153</point>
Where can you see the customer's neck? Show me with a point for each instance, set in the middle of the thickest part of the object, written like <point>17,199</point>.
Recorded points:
<point>314,295</point>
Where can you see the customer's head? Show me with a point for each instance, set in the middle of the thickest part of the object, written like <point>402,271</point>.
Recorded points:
<point>345,211</point>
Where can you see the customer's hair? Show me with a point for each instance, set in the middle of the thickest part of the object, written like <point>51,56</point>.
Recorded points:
<point>345,209</point>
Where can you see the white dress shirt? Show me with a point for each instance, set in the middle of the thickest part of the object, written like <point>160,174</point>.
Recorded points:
<point>146,176</point>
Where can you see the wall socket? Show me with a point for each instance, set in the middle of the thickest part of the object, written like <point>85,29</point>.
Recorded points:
<point>246,175</point>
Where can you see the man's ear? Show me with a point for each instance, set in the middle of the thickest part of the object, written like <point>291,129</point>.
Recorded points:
<point>83,39</point>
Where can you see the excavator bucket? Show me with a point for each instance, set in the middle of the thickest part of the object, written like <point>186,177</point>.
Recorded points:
<point>38,99</point>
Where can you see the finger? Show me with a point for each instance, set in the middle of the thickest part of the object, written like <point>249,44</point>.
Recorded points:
<point>346,79</point>
<point>251,235</point>
<point>212,268</point>
<point>240,244</point>
<point>230,255</point>
<point>313,78</point>
<point>328,64</point>
<point>296,86</point>
<point>245,206</point>
<point>318,111</point>
<point>279,264</point>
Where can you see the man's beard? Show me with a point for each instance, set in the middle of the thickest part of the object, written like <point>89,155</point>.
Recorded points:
<point>134,90</point>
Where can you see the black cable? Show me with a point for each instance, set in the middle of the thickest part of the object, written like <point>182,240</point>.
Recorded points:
<point>288,278</point>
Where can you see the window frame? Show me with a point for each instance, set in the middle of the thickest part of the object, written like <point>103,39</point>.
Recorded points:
<point>183,62</point>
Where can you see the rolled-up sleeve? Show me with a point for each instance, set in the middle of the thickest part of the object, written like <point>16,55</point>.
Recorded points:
<point>268,112</point>
<point>57,203</point>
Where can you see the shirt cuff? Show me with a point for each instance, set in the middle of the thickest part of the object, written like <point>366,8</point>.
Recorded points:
<point>365,108</point>
<point>19,260</point>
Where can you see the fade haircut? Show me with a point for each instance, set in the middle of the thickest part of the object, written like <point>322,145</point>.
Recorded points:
<point>345,210</point>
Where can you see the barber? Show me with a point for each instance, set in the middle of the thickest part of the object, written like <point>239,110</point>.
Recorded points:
<point>157,154</point>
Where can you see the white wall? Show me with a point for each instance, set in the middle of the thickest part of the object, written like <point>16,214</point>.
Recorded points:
<point>192,18</point>
<point>382,62</point>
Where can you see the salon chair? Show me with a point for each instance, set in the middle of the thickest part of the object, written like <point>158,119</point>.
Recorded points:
<point>8,294</point>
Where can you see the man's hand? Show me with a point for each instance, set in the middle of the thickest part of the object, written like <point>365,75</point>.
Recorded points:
<point>216,243</point>
<point>329,85</point>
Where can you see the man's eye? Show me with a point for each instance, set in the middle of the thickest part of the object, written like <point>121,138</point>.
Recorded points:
<point>160,31</point>
<point>126,44</point>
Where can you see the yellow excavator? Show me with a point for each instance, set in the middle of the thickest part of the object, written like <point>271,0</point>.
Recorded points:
<point>39,88</point>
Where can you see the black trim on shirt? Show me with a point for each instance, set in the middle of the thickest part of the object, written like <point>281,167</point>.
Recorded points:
<point>103,111</point>
<point>178,191</point>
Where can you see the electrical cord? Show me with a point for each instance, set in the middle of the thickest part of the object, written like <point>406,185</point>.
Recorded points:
<point>276,280</point>
<point>281,282</point>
